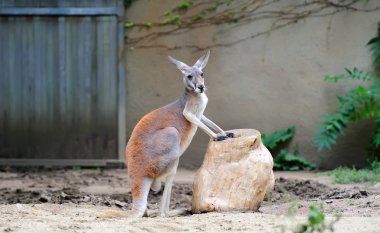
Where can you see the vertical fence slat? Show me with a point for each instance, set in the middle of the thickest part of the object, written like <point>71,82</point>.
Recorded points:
<point>37,106</point>
<point>4,79</point>
<point>29,91</point>
<point>121,84</point>
<point>15,84</point>
<point>62,71</point>
<point>100,71</point>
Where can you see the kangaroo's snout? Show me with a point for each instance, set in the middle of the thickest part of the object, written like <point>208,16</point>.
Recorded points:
<point>201,88</point>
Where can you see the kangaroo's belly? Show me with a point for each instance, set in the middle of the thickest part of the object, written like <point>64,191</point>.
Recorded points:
<point>197,108</point>
<point>187,138</point>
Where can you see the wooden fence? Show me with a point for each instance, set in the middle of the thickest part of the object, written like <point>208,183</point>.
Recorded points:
<point>62,87</point>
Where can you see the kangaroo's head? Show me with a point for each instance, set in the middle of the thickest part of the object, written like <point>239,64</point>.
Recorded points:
<point>193,77</point>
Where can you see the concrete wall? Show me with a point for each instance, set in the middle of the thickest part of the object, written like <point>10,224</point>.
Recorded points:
<point>267,83</point>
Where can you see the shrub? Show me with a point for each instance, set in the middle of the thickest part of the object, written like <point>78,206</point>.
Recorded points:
<point>359,103</point>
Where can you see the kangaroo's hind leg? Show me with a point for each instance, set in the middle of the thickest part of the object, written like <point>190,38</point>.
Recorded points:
<point>140,189</point>
<point>166,153</point>
<point>156,186</point>
<point>165,202</point>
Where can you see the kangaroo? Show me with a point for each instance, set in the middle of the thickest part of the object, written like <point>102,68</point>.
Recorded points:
<point>160,138</point>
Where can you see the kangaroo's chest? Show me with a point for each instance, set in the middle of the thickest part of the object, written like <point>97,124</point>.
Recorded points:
<point>196,107</point>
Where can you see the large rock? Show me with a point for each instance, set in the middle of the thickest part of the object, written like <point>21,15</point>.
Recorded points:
<point>236,174</point>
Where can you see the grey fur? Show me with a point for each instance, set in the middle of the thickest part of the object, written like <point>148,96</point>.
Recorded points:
<point>164,140</point>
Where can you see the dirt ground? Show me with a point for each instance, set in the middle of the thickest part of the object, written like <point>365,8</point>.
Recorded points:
<point>43,200</point>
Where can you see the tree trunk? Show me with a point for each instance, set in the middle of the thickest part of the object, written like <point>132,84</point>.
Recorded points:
<point>236,174</point>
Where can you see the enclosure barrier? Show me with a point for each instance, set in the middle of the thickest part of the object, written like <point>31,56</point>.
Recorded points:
<point>62,82</point>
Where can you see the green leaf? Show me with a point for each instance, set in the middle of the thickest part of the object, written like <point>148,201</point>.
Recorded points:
<point>129,24</point>
<point>374,45</point>
<point>348,71</point>
<point>167,13</point>
<point>275,138</point>
<point>315,216</point>
<point>290,162</point>
<point>184,5</point>
<point>374,40</point>
<point>354,74</point>
<point>361,90</point>
<point>171,20</point>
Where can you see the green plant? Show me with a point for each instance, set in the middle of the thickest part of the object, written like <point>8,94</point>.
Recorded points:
<point>76,168</point>
<point>273,140</point>
<point>359,103</point>
<point>129,24</point>
<point>375,165</point>
<point>284,160</point>
<point>345,175</point>
<point>291,162</point>
<point>184,5</point>
<point>316,222</point>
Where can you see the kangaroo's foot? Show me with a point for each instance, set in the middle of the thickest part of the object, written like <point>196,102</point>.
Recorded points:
<point>170,213</point>
<point>178,212</point>
<point>140,189</point>
<point>137,213</point>
<point>230,135</point>
<point>221,138</point>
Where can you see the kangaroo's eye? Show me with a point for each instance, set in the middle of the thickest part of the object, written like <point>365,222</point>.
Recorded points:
<point>189,76</point>
<point>201,74</point>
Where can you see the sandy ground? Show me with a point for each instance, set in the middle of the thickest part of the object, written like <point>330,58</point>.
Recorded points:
<point>67,201</point>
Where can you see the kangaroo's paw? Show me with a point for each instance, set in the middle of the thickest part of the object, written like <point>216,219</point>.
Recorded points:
<point>221,138</point>
<point>230,135</point>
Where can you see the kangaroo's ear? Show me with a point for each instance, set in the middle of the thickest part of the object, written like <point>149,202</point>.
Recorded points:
<point>202,62</point>
<point>180,65</point>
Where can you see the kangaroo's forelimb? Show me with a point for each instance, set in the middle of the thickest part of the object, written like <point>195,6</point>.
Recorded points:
<point>212,125</point>
<point>194,120</point>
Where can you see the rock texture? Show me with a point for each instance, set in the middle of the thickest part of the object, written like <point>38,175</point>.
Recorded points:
<point>235,174</point>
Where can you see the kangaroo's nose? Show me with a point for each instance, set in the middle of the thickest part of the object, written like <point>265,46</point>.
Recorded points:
<point>201,87</point>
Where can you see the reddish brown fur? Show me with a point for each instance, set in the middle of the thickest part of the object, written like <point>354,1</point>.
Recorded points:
<point>138,161</point>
